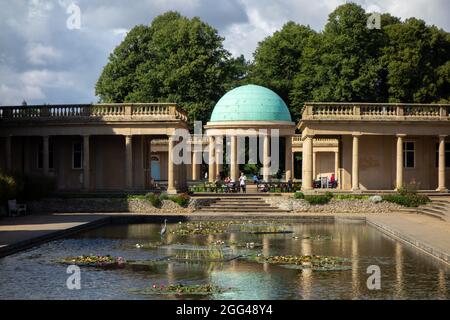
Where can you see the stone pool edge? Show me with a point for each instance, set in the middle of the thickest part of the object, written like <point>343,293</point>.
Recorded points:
<point>415,243</point>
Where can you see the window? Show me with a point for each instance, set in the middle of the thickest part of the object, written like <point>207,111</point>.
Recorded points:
<point>77,155</point>
<point>447,155</point>
<point>409,155</point>
<point>40,156</point>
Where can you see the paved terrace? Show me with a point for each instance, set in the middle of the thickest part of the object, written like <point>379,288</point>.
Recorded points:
<point>427,234</point>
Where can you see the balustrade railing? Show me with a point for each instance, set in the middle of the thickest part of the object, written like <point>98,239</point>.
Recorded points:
<point>382,111</point>
<point>156,111</point>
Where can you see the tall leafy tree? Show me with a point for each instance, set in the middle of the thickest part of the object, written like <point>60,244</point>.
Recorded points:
<point>415,60</point>
<point>175,59</point>
<point>277,60</point>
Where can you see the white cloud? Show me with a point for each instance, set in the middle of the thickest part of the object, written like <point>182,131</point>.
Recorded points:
<point>38,54</point>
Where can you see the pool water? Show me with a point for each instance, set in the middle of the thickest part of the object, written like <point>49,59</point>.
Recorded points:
<point>406,273</point>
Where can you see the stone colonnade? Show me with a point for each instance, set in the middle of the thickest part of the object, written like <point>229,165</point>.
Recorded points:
<point>309,163</point>
<point>216,153</point>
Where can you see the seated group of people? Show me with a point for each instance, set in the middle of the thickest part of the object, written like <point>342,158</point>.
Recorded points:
<point>331,183</point>
<point>231,185</point>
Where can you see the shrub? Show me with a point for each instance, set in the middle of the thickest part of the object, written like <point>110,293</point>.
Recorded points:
<point>350,197</point>
<point>182,199</point>
<point>163,196</point>
<point>329,194</point>
<point>299,195</point>
<point>318,199</point>
<point>154,199</point>
<point>8,188</point>
<point>407,200</point>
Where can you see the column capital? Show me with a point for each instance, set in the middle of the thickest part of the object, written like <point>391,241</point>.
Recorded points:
<point>443,136</point>
<point>308,135</point>
<point>400,135</point>
<point>356,134</point>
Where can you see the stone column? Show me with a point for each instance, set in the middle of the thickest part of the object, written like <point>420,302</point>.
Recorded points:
<point>266,158</point>
<point>307,179</point>
<point>129,161</point>
<point>86,163</point>
<point>171,189</point>
<point>219,155</point>
<point>355,163</point>
<point>336,166</point>
<point>234,168</point>
<point>288,158</point>
<point>211,162</point>
<point>441,165</point>
<point>196,165</point>
<point>45,155</point>
<point>8,154</point>
<point>399,162</point>
<point>314,173</point>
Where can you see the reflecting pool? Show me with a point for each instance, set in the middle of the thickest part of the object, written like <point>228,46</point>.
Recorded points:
<point>405,272</point>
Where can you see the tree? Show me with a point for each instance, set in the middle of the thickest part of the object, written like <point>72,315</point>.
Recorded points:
<point>175,59</point>
<point>277,60</point>
<point>416,60</point>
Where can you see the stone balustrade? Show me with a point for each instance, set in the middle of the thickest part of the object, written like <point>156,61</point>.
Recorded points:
<point>133,111</point>
<point>297,141</point>
<point>375,111</point>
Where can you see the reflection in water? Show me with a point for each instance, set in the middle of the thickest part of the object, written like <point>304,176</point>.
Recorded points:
<point>355,267</point>
<point>406,273</point>
<point>442,285</point>
<point>398,270</point>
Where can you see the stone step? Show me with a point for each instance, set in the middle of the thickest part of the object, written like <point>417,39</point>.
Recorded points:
<point>240,200</point>
<point>240,210</point>
<point>431,214</point>
<point>431,210</point>
<point>240,205</point>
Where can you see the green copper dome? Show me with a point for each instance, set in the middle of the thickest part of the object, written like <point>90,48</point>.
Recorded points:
<point>250,103</point>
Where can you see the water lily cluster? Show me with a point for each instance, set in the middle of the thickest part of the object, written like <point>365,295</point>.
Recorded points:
<point>94,260</point>
<point>180,289</point>
<point>307,261</point>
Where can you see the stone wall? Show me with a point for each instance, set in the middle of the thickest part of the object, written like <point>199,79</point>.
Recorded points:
<point>93,205</point>
<point>334,206</point>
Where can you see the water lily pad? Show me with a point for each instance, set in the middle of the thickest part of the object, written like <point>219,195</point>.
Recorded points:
<point>179,289</point>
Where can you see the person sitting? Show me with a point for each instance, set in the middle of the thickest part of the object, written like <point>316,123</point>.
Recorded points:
<point>232,185</point>
<point>255,179</point>
<point>332,183</point>
<point>289,185</point>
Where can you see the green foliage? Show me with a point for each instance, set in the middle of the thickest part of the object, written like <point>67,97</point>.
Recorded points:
<point>251,169</point>
<point>182,60</point>
<point>319,199</point>
<point>181,199</point>
<point>350,197</point>
<point>175,59</point>
<point>407,200</point>
<point>299,195</point>
<point>8,189</point>
<point>154,199</point>
<point>407,196</point>
<point>347,62</point>
<point>278,60</point>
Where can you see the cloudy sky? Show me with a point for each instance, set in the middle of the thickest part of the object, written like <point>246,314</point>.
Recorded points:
<point>44,59</point>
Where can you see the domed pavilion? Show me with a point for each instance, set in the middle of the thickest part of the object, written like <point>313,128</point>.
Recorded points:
<point>253,112</point>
